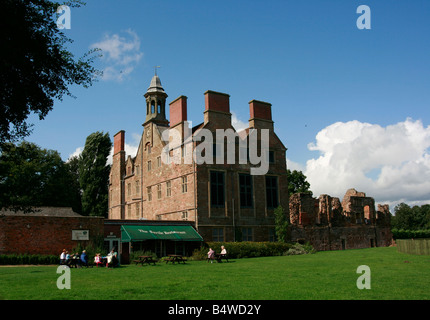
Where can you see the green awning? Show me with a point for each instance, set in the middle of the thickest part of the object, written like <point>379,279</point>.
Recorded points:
<point>174,233</point>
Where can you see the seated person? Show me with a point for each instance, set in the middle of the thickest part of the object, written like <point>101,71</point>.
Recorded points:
<point>97,259</point>
<point>112,259</point>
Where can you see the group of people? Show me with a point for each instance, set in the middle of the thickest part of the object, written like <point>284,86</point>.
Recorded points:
<point>111,260</point>
<point>212,255</point>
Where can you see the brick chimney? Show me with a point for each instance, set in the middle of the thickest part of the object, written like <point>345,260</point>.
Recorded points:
<point>178,111</point>
<point>260,115</point>
<point>118,142</point>
<point>217,109</point>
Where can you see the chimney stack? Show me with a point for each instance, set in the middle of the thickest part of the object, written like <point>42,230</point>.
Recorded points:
<point>178,111</point>
<point>260,115</point>
<point>217,109</point>
<point>118,142</point>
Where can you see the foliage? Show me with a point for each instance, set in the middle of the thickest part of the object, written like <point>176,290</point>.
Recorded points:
<point>94,174</point>
<point>17,259</point>
<point>411,218</point>
<point>410,234</point>
<point>35,65</point>
<point>298,248</point>
<point>297,182</point>
<point>237,250</point>
<point>281,224</point>
<point>31,176</point>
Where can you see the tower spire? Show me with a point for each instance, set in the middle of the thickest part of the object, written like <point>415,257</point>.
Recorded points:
<point>155,69</point>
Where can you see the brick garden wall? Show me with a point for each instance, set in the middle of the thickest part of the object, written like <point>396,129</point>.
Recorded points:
<point>45,235</point>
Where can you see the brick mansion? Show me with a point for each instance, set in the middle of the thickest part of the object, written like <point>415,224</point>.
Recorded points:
<point>224,201</point>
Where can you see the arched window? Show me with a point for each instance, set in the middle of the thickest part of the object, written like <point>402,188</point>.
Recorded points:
<point>159,107</point>
<point>152,106</point>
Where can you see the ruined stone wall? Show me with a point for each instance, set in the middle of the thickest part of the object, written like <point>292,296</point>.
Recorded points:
<point>328,224</point>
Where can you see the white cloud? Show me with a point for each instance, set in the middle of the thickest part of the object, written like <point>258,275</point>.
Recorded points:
<point>121,53</point>
<point>391,164</point>
<point>76,153</point>
<point>237,123</point>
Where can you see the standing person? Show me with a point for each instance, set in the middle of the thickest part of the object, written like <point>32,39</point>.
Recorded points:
<point>112,258</point>
<point>223,254</point>
<point>84,258</point>
<point>211,255</point>
<point>97,259</point>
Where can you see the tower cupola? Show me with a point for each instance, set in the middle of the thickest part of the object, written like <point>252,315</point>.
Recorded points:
<point>156,103</point>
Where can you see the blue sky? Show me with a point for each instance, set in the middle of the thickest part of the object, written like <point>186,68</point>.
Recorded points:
<point>347,103</point>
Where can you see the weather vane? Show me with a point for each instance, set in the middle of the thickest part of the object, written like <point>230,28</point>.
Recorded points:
<point>155,69</point>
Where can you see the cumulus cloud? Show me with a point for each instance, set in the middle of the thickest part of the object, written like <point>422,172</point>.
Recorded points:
<point>391,164</point>
<point>121,53</point>
<point>238,124</point>
<point>130,149</point>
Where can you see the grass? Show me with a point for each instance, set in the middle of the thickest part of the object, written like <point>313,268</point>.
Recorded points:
<point>329,275</point>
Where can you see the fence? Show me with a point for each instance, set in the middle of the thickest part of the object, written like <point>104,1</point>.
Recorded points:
<point>414,246</point>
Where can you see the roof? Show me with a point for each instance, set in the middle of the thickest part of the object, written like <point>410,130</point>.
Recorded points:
<point>155,85</point>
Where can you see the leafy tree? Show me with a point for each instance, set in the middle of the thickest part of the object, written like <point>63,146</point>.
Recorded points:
<point>94,174</point>
<point>297,182</point>
<point>281,224</point>
<point>411,218</point>
<point>32,177</point>
<point>35,66</point>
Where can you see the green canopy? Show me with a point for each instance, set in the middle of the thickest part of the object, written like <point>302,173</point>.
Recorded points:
<point>175,233</point>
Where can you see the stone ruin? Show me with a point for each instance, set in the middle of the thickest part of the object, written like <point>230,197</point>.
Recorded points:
<point>329,224</point>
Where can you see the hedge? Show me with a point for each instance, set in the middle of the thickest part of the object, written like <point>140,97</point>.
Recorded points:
<point>253,249</point>
<point>410,234</point>
<point>17,259</point>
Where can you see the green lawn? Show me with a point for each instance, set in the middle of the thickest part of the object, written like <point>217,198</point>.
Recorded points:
<point>324,275</point>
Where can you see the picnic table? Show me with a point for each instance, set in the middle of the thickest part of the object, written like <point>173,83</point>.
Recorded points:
<point>74,262</point>
<point>176,258</point>
<point>145,259</point>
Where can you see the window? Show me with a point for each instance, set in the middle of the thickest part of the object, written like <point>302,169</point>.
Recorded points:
<point>137,187</point>
<point>129,210</point>
<point>245,190</point>
<point>184,184</point>
<point>129,189</point>
<point>137,209</point>
<point>217,188</point>
<point>159,191</point>
<point>271,192</point>
<point>272,234</point>
<point>271,156</point>
<point>218,234</point>
<point>149,191</point>
<point>168,188</point>
<point>246,234</point>
<point>149,165</point>
<point>158,161</point>
<point>185,215</point>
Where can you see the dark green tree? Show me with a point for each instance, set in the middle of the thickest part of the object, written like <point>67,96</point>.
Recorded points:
<point>33,177</point>
<point>281,224</point>
<point>94,174</point>
<point>297,182</point>
<point>411,218</point>
<point>35,65</point>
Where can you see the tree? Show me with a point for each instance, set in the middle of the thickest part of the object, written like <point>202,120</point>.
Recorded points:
<point>297,182</point>
<point>94,174</point>
<point>281,224</point>
<point>35,66</point>
<point>33,177</point>
<point>411,218</point>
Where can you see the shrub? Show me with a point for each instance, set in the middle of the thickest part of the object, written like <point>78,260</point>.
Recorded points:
<point>20,259</point>
<point>410,234</point>
<point>251,249</point>
<point>300,249</point>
